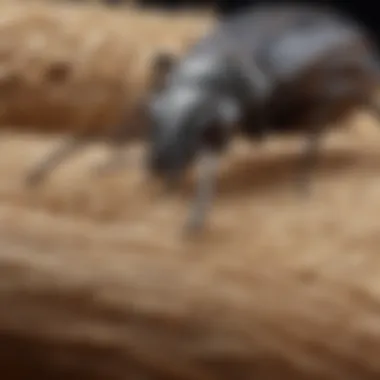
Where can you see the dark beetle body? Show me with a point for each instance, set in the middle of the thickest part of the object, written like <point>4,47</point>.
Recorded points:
<point>273,69</point>
<point>289,56</point>
<point>321,70</point>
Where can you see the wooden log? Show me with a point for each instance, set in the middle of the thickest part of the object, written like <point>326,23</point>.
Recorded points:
<point>276,288</point>
<point>72,67</point>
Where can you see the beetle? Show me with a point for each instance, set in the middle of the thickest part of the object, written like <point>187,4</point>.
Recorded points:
<point>274,69</point>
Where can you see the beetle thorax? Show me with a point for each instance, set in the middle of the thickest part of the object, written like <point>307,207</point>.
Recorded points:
<point>210,72</point>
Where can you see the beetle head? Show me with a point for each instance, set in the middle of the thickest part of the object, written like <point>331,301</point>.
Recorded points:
<point>184,118</point>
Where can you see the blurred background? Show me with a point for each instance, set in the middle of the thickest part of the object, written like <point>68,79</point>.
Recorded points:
<point>364,10</point>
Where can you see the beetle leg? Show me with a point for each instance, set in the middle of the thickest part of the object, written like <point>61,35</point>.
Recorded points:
<point>38,173</point>
<point>119,137</point>
<point>204,192</point>
<point>309,159</point>
<point>116,161</point>
<point>373,106</point>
